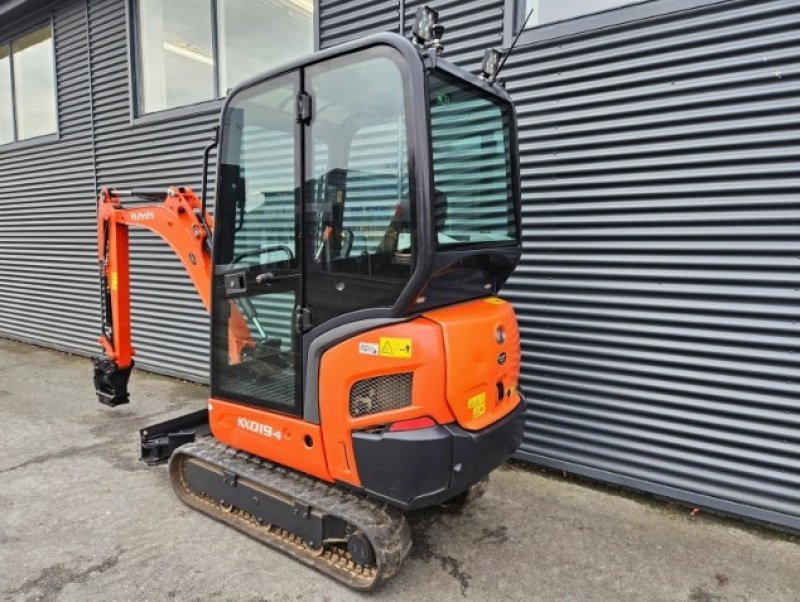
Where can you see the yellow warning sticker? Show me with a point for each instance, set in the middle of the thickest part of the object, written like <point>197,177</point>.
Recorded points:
<point>114,281</point>
<point>477,403</point>
<point>391,347</point>
<point>495,300</point>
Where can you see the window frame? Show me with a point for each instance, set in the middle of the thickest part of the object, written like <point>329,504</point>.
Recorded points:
<point>42,139</point>
<point>210,105</point>
<point>514,15</point>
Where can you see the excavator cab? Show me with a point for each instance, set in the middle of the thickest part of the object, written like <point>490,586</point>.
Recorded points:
<point>362,365</point>
<point>369,184</point>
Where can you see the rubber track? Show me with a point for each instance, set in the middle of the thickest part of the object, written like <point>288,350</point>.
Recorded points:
<point>384,526</point>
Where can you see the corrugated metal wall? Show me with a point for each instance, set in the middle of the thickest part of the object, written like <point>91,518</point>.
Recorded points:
<point>170,326</point>
<point>658,292</point>
<point>48,264</point>
<point>343,20</point>
<point>48,272</point>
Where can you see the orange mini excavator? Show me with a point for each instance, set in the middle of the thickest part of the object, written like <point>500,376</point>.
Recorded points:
<point>367,213</point>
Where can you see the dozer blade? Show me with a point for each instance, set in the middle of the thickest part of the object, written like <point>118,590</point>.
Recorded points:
<point>356,540</point>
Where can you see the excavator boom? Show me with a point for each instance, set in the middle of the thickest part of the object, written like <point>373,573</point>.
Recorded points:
<point>178,220</point>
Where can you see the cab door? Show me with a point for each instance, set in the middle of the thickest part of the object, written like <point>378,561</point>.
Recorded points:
<point>359,224</point>
<point>256,344</point>
<point>315,217</point>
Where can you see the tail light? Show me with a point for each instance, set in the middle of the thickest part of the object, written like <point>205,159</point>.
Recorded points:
<point>412,424</point>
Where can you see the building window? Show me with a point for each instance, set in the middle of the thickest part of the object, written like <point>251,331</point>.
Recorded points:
<point>28,87</point>
<point>6,102</point>
<point>551,11</point>
<point>191,51</point>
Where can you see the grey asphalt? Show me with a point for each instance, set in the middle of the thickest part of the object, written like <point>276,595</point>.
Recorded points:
<point>82,519</point>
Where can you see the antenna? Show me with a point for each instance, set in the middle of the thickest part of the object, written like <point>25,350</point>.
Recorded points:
<point>513,45</point>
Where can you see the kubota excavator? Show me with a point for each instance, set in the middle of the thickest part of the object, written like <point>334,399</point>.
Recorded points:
<point>367,213</point>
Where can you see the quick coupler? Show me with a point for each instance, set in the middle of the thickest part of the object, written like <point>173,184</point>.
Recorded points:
<point>111,382</point>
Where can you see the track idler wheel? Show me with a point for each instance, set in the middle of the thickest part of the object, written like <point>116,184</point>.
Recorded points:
<point>360,549</point>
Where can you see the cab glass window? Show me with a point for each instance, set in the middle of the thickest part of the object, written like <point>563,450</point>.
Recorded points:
<point>359,214</point>
<point>472,166</point>
<point>263,125</point>
<point>257,241</point>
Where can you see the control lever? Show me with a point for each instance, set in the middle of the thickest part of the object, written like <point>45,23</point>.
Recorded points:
<point>249,311</point>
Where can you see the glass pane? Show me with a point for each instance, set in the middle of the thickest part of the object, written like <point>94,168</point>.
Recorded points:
<point>471,166</point>
<point>257,360</point>
<point>176,62</point>
<point>358,218</point>
<point>6,108</point>
<point>549,11</point>
<point>256,35</point>
<point>34,84</point>
<point>377,190</point>
<point>266,167</point>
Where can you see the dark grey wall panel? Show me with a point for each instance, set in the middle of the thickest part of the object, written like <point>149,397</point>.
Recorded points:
<point>343,20</point>
<point>48,261</point>
<point>48,276</point>
<point>170,326</point>
<point>658,291</point>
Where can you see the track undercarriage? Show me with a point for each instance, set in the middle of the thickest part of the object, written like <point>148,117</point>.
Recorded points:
<point>358,541</point>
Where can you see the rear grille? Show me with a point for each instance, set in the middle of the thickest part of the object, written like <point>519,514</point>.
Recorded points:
<point>380,394</point>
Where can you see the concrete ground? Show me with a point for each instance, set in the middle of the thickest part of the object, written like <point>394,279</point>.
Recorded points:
<point>82,519</point>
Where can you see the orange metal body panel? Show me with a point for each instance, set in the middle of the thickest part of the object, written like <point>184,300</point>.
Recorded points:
<point>346,363</point>
<point>473,356</point>
<point>276,437</point>
<point>452,353</point>
<point>176,221</point>
<point>117,273</point>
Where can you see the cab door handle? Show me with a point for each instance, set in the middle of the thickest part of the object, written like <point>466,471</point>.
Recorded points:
<point>271,278</point>
<point>266,278</point>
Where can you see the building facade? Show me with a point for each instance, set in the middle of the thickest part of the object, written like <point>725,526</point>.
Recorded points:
<point>658,293</point>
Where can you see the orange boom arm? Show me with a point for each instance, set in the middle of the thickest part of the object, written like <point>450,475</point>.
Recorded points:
<point>179,221</point>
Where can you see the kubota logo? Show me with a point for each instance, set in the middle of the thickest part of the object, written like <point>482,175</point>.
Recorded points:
<point>258,428</point>
<point>142,216</point>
